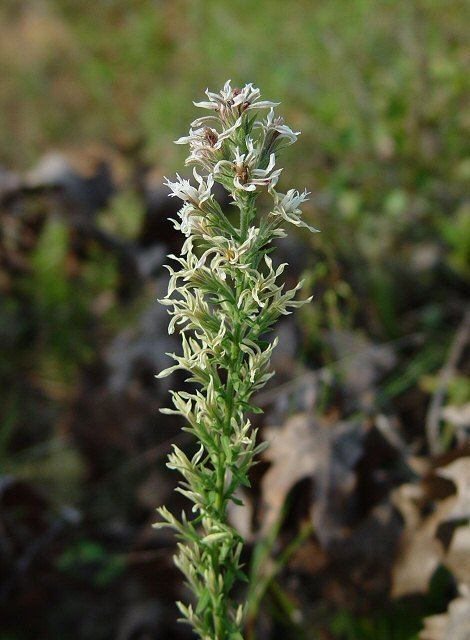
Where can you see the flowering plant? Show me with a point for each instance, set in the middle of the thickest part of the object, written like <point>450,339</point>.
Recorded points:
<point>224,297</point>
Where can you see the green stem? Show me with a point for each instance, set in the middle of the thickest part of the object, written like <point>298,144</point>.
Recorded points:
<point>220,615</point>
<point>220,479</point>
<point>246,215</point>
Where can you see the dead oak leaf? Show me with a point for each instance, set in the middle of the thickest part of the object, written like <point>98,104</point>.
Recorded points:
<point>306,447</point>
<point>421,549</point>
<point>457,558</point>
<point>452,625</point>
<point>420,552</point>
<point>458,471</point>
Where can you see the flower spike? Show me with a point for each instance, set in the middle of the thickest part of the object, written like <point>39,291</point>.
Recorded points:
<point>224,295</point>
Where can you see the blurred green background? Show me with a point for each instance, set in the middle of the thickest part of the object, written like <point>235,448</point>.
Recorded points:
<point>378,89</point>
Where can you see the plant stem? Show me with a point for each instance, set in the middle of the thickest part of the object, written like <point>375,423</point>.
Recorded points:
<point>227,295</point>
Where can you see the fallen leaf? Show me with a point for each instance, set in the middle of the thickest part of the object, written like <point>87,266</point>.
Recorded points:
<point>457,558</point>
<point>420,552</point>
<point>306,447</point>
<point>457,506</point>
<point>452,625</point>
<point>422,548</point>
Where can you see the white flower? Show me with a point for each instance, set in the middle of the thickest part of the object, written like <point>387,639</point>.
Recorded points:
<point>228,252</point>
<point>186,214</point>
<point>183,189</point>
<point>287,206</point>
<point>207,137</point>
<point>204,136</point>
<point>190,220</point>
<point>245,171</point>
<point>234,101</point>
<point>204,143</point>
<point>275,130</point>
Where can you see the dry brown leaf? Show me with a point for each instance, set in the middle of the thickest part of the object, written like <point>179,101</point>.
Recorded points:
<point>421,550</point>
<point>457,558</point>
<point>458,472</point>
<point>452,625</point>
<point>305,447</point>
